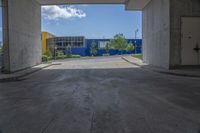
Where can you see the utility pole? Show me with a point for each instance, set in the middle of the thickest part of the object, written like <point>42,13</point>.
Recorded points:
<point>136,31</point>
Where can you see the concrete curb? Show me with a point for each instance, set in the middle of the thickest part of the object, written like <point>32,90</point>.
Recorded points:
<point>19,75</point>
<point>134,63</point>
<point>158,70</point>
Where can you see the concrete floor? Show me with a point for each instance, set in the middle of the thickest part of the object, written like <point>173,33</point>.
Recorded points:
<point>102,95</point>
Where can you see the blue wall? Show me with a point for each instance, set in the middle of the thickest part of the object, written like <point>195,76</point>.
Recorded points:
<point>86,50</point>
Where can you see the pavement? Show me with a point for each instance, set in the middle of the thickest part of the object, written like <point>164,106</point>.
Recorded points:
<point>187,71</point>
<point>22,73</point>
<point>100,95</point>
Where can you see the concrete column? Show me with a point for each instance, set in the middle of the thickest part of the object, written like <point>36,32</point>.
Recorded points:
<point>21,34</point>
<point>156,33</point>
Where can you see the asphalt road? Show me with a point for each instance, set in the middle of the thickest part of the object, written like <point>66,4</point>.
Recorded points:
<point>100,95</point>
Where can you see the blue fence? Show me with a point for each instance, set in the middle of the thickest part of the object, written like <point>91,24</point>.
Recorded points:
<point>85,51</point>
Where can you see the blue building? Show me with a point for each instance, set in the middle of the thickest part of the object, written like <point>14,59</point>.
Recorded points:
<point>81,46</point>
<point>101,43</point>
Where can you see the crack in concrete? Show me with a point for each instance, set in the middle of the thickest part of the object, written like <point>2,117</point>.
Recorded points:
<point>92,123</point>
<point>48,124</point>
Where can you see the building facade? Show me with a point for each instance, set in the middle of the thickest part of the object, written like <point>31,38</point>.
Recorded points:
<point>81,46</point>
<point>101,43</point>
<point>44,37</point>
<point>62,43</point>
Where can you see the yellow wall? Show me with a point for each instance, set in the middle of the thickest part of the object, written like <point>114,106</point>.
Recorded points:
<point>44,37</point>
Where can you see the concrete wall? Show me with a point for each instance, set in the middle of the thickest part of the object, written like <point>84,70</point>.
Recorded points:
<point>179,8</point>
<point>156,33</point>
<point>22,28</point>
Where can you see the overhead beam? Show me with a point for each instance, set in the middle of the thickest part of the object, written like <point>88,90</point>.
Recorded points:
<point>136,4</point>
<point>59,2</point>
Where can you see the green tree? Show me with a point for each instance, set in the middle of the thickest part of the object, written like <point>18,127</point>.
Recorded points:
<point>69,52</point>
<point>1,50</point>
<point>130,47</point>
<point>119,42</point>
<point>93,49</point>
<point>107,48</point>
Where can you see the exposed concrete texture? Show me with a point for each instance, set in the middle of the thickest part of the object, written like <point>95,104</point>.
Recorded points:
<point>100,95</point>
<point>22,27</point>
<point>162,30</point>
<point>178,9</point>
<point>156,33</point>
<point>54,2</point>
<point>136,4</point>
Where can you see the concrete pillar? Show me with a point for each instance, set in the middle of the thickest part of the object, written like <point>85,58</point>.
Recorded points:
<point>156,33</point>
<point>21,34</point>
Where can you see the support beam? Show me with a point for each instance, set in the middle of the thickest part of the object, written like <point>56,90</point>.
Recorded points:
<point>58,2</point>
<point>21,34</point>
<point>136,4</point>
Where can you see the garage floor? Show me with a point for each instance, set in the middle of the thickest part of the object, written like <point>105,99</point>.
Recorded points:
<point>100,95</point>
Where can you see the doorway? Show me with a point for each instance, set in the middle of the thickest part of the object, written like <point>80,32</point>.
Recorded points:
<point>190,40</point>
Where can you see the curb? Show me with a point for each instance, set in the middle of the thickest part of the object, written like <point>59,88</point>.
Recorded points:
<point>131,62</point>
<point>160,71</point>
<point>18,77</point>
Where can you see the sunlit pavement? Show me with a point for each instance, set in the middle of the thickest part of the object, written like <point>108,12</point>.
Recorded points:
<point>100,95</point>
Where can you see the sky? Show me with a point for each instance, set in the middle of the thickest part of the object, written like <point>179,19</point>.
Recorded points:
<point>91,21</point>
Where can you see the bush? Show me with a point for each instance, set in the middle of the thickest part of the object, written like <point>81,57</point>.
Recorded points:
<point>68,56</point>
<point>76,56</point>
<point>60,55</point>
<point>72,56</point>
<point>45,58</point>
<point>49,54</point>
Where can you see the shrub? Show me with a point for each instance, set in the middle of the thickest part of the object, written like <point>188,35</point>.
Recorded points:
<point>60,55</point>
<point>76,56</point>
<point>45,58</point>
<point>48,54</point>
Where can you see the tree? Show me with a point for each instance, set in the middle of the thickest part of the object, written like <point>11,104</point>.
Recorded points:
<point>69,51</point>
<point>93,49</point>
<point>130,47</point>
<point>119,42</point>
<point>1,50</point>
<point>107,48</point>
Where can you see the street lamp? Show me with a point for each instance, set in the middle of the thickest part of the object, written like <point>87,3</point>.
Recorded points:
<point>55,48</point>
<point>136,31</point>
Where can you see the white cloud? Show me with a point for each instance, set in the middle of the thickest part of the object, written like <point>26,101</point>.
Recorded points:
<point>61,12</point>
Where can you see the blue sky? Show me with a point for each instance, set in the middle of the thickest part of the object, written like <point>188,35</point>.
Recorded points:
<point>91,21</point>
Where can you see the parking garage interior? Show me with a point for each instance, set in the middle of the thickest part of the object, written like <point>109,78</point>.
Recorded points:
<point>103,95</point>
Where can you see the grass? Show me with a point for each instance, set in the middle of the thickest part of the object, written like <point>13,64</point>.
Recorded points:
<point>67,56</point>
<point>46,58</point>
<point>138,56</point>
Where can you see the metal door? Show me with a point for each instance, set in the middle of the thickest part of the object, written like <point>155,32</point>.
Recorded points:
<point>190,40</point>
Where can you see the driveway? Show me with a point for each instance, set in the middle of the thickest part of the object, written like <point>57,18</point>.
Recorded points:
<point>100,95</point>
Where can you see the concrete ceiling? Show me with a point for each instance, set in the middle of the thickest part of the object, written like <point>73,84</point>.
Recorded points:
<point>136,4</point>
<point>56,2</point>
<point>130,4</point>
